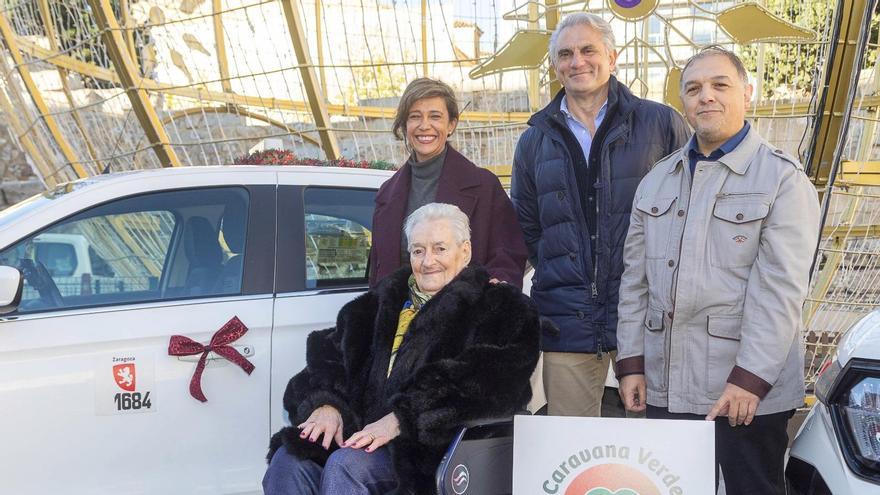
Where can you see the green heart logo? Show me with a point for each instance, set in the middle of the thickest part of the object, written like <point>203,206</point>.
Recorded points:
<point>604,491</point>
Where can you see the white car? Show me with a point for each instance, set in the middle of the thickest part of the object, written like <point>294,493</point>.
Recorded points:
<point>95,395</point>
<point>837,449</point>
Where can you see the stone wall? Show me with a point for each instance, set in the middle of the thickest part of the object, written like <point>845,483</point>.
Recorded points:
<point>17,180</point>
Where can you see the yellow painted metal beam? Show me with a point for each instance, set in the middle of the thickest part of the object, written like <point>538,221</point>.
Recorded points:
<point>825,276</point>
<point>748,23</point>
<point>425,38</point>
<point>503,171</point>
<point>30,136</point>
<point>220,43</point>
<point>11,116</point>
<point>232,98</point>
<point>119,227</point>
<point>319,40</point>
<point>49,26</point>
<point>839,69</point>
<point>859,173</point>
<point>527,49</point>
<point>552,18</point>
<point>127,74</point>
<point>127,25</point>
<point>309,80</point>
<point>239,111</point>
<point>851,231</point>
<point>534,78</point>
<point>9,38</point>
<point>67,62</point>
<point>850,173</point>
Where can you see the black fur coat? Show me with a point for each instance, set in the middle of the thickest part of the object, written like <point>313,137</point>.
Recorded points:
<point>467,355</point>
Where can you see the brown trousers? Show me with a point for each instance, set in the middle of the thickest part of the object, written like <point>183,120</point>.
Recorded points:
<point>574,382</point>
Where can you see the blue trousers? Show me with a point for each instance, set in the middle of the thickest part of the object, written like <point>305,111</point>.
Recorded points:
<point>347,472</point>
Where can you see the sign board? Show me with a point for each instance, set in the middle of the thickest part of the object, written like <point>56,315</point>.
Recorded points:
<point>612,456</point>
<point>125,383</point>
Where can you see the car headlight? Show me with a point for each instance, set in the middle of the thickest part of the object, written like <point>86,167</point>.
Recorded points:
<point>862,411</point>
<point>853,398</point>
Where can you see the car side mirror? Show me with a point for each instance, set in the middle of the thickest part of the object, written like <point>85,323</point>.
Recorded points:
<point>11,288</point>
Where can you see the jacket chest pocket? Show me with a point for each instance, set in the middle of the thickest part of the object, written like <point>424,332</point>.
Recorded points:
<point>657,224</point>
<point>735,233</point>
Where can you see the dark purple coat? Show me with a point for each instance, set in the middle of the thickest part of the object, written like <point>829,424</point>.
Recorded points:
<point>496,238</point>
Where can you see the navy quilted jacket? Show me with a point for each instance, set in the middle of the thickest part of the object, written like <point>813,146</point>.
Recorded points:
<point>577,278</point>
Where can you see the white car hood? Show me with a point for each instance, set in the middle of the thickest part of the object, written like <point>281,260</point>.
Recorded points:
<point>862,340</point>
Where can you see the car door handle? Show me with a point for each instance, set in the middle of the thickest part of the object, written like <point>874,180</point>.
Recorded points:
<point>245,350</point>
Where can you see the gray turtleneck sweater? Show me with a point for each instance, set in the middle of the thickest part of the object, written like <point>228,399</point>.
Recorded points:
<point>422,190</point>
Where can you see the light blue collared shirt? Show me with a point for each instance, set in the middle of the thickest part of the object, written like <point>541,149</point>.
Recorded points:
<point>579,130</point>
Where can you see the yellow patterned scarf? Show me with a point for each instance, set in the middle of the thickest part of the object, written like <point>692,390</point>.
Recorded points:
<point>410,309</point>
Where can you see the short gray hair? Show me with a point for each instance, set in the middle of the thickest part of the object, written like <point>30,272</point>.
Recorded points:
<point>582,19</point>
<point>459,222</point>
<point>711,50</point>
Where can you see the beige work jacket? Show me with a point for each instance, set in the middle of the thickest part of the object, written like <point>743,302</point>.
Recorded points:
<point>715,278</point>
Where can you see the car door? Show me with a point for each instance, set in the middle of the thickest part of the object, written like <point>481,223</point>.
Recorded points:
<point>90,399</point>
<point>324,238</point>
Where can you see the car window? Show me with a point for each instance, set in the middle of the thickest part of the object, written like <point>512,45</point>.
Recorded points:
<point>99,265</point>
<point>153,247</point>
<point>59,258</point>
<point>338,235</point>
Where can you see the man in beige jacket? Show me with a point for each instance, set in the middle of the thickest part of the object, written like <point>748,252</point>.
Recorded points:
<point>717,263</point>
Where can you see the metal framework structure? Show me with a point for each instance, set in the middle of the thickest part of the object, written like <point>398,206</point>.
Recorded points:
<point>91,84</point>
<point>310,81</point>
<point>24,73</point>
<point>121,55</point>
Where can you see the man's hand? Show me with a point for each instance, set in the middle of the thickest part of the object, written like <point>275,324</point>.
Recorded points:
<point>633,392</point>
<point>375,435</point>
<point>737,403</point>
<point>326,421</point>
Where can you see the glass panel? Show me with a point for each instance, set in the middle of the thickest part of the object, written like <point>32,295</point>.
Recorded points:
<point>863,412</point>
<point>338,236</point>
<point>58,257</point>
<point>153,247</point>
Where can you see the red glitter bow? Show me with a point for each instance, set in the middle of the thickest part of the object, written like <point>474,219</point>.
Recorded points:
<point>185,346</point>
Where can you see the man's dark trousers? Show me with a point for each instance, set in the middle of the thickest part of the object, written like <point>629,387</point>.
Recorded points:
<point>751,457</point>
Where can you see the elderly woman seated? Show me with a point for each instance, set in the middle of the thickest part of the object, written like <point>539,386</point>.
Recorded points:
<point>384,392</point>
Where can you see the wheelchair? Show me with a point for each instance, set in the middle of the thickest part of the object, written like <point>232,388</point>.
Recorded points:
<point>479,460</point>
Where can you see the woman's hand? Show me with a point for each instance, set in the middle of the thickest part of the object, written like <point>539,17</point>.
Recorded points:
<point>324,420</point>
<point>375,435</point>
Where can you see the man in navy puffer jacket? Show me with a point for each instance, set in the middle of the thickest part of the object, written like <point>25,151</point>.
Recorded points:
<point>575,172</point>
